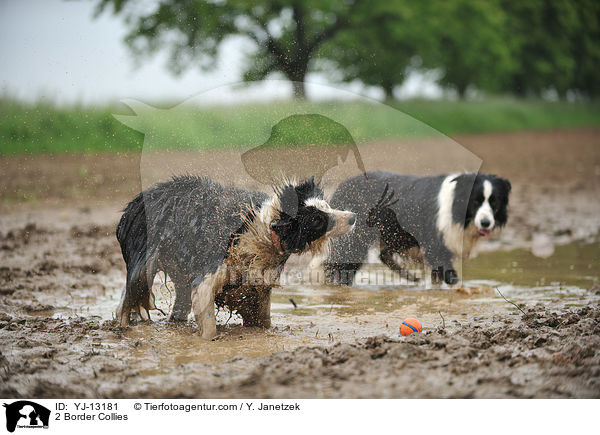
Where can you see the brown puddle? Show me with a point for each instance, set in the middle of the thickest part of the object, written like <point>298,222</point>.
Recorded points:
<point>573,264</point>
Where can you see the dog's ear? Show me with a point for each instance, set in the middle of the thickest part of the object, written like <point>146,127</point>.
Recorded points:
<point>308,189</point>
<point>288,200</point>
<point>502,184</point>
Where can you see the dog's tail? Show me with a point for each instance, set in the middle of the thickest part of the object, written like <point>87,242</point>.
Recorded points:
<point>132,235</point>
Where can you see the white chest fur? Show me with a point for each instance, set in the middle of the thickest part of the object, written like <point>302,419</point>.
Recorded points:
<point>458,239</point>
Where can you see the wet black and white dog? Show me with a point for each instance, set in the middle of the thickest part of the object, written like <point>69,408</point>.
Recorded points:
<point>219,242</point>
<point>438,217</point>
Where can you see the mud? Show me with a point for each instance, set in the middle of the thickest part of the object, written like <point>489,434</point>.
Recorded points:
<point>543,353</point>
<point>61,275</point>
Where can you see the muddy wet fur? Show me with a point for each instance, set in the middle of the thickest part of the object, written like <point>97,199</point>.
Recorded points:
<point>181,227</point>
<point>209,239</point>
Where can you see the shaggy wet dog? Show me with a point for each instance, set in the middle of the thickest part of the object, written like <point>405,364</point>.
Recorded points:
<point>220,245</point>
<point>429,219</point>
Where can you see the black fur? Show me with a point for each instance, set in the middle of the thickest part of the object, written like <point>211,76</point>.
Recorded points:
<point>299,224</point>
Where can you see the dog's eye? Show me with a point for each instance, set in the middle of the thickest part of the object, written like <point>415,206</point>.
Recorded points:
<point>317,222</point>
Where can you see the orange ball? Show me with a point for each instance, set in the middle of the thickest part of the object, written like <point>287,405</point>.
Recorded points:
<point>409,326</point>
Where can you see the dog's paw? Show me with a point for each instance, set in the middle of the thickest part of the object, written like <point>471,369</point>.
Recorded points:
<point>451,277</point>
<point>178,317</point>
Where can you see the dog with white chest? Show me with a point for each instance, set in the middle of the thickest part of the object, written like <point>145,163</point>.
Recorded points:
<point>220,245</point>
<point>437,218</point>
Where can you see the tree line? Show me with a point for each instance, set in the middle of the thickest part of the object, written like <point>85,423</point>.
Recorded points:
<point>530,48</point>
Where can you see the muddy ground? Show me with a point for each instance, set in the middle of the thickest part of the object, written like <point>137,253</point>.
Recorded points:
<point>61,274</point>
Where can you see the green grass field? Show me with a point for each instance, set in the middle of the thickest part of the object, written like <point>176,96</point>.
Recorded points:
<point>46,128</point>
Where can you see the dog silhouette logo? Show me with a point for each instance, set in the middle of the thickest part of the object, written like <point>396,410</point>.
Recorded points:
<point>26,414</point>
<point>299,147</point>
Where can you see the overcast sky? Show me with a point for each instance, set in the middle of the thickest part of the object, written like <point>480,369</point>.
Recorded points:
<point>55,49</point>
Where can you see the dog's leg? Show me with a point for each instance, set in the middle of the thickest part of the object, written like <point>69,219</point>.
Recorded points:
<point>263,316</point>
<point>203,306</point>
<point>124,309</point>
<point>136,296</point>
<point>183,301</point>
<point>348,253</point>
<point>256,310</point>
<point>386,255</point>
<point>440,258</point>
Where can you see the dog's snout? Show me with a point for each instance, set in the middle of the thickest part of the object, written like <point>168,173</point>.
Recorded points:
<point>485,223</point>
<point>343,222</point>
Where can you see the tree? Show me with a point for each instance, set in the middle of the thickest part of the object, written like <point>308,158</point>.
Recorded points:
<point>463,39</point>
<point>586,49</point>
<point>525,48</point>
<point>287,33</point>
<point>540,34</point>
<point>472,47</point>
<point>380,55</point>
<point>555,45</point>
